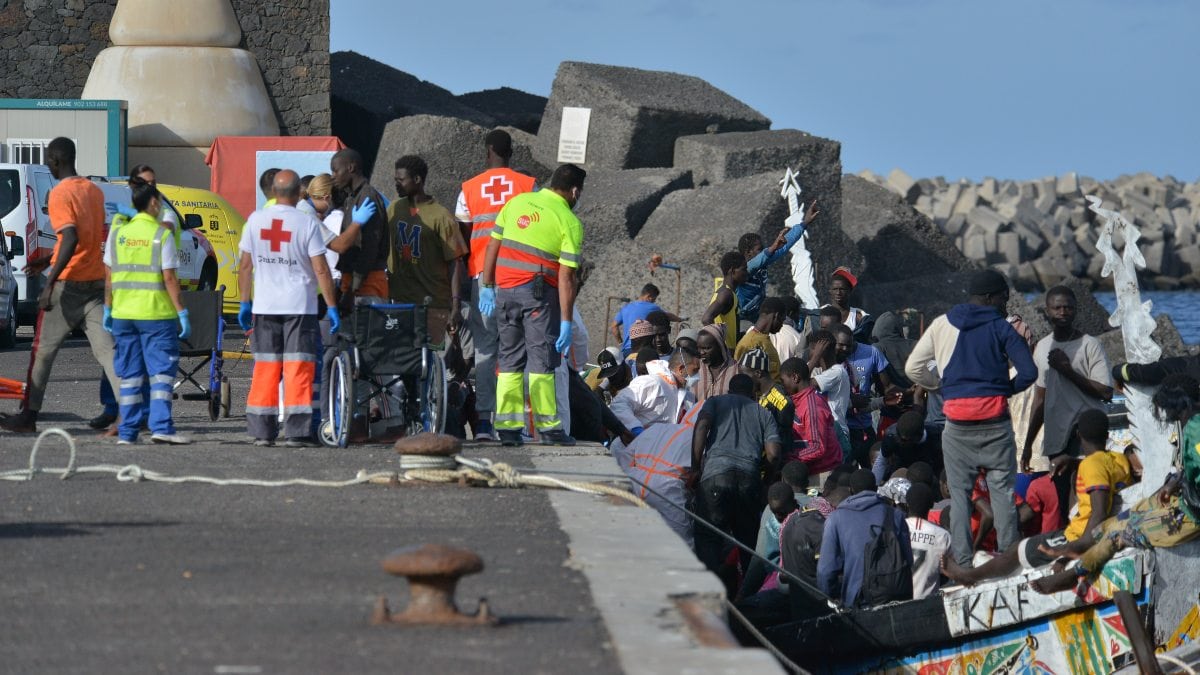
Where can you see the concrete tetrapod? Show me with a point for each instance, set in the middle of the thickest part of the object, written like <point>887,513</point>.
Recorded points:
<point>432,571</point>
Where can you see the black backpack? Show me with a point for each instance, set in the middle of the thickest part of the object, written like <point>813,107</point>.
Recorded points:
<point>887,572</point>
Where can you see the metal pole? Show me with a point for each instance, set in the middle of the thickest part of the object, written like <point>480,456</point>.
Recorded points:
<point>1143,648</point>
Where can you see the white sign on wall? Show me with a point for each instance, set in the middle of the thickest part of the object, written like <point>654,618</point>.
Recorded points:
<point>573,134</point>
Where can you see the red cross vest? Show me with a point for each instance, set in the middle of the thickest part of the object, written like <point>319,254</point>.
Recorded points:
<point>485,195</point>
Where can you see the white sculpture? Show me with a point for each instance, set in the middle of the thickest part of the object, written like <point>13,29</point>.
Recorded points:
<point>802,269</point>
<point>1132,316</point>
<point>178,64</point>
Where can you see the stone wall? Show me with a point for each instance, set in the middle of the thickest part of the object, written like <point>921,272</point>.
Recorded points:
<point>47,48</point>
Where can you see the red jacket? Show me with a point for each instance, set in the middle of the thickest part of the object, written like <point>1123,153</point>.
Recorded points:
<point>816,439</point>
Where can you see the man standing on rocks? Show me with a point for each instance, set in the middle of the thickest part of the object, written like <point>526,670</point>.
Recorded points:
<point>73,295</point>
<point>479,203</point>
<point>1073,376</point>
<point>723,307</point>
<point>973,345</point>
<point>758,259</point>
<point>532,257</point>
<point>426,259</point>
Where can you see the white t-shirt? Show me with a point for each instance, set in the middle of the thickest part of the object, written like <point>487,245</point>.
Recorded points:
<point>929,543</point>
<point>169,254</point>
<point>834,382</point>
<point>333,227</point>
<point>281,242</point>
<point>1064,401</point>
<point>788,342</point>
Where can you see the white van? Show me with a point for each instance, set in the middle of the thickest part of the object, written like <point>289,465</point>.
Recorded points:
<point>28,234</point>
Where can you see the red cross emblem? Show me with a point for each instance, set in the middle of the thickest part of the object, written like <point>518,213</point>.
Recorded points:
<point>276,235</point>
<point>497,190</point>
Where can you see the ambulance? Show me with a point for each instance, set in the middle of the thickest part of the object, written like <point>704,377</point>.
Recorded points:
<point>221,225</point>
<point>29,237</point>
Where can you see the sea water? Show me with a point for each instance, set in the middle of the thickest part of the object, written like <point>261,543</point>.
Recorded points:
<point>1182,306</point>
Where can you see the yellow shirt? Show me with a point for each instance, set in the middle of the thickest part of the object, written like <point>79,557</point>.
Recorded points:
<point>756,340</point>
<point>1101,470</point>
<point>728,319</point>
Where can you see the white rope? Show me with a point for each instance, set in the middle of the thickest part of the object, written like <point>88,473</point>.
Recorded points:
<point>1176,662</point>
<point>412,468</point>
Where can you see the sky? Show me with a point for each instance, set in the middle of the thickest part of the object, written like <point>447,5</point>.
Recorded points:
<point>957,88</point>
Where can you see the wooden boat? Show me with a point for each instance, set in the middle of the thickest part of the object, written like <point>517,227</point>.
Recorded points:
<point>1001,626</point>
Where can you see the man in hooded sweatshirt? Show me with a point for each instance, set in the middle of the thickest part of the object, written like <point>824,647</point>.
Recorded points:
<point>973,345</point>
<point>848,531</point>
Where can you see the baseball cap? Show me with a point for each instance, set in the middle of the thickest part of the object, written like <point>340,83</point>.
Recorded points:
<point>756,359</point>
<point>845,273</point>
<point>609,365</point>
<point>688,333</point>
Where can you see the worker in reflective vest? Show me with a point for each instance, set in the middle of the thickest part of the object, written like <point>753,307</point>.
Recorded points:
<point>529,282</point>
<point>144,311</point>
<point>479,203</point>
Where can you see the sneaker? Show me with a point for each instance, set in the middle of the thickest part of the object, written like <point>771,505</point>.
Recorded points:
<point>484,432</point>
<point>263,442</point>
<point>102,421</point>
<point>511,439</point>
<point>557,437</point>
<point>299,443</point>
<point>170,439</point>
<point>125,441</point>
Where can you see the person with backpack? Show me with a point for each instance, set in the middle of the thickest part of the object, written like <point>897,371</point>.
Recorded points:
<point>866,557</point>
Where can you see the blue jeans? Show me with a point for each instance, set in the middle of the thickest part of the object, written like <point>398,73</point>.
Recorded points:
<point>146,350</point>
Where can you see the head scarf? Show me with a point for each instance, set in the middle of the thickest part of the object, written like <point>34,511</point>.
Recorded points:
<point>715,381</point>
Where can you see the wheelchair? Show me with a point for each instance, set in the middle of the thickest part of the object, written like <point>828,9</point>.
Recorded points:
<point>205,344</point>
<point>385,350</point>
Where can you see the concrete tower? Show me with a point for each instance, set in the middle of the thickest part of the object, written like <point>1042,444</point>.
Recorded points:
<point>177,64</point>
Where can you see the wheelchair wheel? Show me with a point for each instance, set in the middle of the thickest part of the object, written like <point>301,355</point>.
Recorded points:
<point>433,396</point>
<point>214,404</point>
<point>226,397</point>
<point>338,405</point>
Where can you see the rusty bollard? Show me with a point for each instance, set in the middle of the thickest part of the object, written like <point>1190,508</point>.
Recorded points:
<point>432,571</point>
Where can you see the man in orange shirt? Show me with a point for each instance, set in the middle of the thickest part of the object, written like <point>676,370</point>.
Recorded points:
<point>73,296</point>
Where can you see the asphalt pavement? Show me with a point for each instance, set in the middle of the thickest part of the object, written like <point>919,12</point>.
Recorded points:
<point>100,576</point>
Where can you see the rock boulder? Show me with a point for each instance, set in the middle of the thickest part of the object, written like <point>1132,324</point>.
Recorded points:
<point>616,203</point>
<point>366,95</point>
<point>453,149</point>
<point>896,241</point>
<point>637,114</point>
<point>715,158</point>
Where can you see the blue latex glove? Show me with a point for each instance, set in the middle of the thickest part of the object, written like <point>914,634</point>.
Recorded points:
<point>245,319</point>
<point>386,202</point>
<point>363,213</point>
<point>126,210</point>
<point>107,322</point>
<point>563,343</point>
<point>487,300</point>
<point>185,326</point>
<point>636,431</point>
<point>335,321</point>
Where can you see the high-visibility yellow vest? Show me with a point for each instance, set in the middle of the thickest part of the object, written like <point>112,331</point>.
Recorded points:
<point>138,292</point>
<point>538,232</point>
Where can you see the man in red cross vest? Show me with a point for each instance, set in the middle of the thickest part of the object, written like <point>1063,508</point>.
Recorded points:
<point>282,266</point>
<point>479,203</point>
